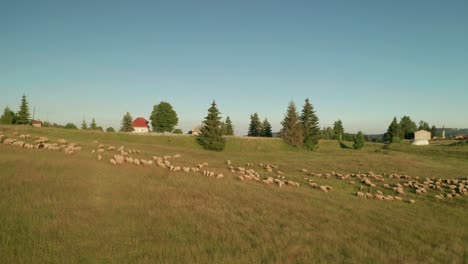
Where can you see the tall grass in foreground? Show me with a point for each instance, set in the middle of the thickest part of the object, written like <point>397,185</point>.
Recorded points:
<point>74,209</point>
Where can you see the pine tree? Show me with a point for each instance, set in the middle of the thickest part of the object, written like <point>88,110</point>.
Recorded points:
<point>23,114</point>
<point>229,127</point>
<point>8,117</point>
<point>83,125</point>
<point>211,136</point>
<point>93,125</point>
<point>255,127</point>
<point>164,118</point>
<point>126,123</point>
<point>359,141</point>
<point>392,131</point>
<point>292,128</point>
<point>407,128</point>
<point>266,129</point>
<point>434,131</point>
<point>338,130</point>
<point>310,125</point>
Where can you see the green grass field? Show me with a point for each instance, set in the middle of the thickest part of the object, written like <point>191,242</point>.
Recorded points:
<point>58,208</point>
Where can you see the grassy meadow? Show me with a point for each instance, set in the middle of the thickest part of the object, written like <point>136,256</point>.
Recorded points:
<point>58,208</point>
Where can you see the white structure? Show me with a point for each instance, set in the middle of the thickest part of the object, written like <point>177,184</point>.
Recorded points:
<point>421,138</point>
<point>140,125</point>
<point>422,135</point>
<point>420,142</point>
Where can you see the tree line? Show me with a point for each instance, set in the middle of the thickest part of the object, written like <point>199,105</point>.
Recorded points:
<point>405,129</point>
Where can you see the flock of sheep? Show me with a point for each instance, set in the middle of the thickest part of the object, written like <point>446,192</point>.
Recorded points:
<point>40,143</point>
<point>396,186</point>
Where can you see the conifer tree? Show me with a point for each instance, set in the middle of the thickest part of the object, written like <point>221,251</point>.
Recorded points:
<point>338,130</point>
<point>359,141</point>
<point>8,117</point>
<point>392,131</point>
<point>23,114</point>
<point>126,123</point>
<point>266,129</point>
<point>229,127</point>
<point>433,131</point>
<point>93,125</point>
<point>84,125</point>
<point>310,125</point>
<point>211,134</point>
<point>255,127</point>
<point>407,127</point>
<point>292,128</point>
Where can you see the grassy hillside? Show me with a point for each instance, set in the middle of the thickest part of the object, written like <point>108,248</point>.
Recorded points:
<point>58,208</point>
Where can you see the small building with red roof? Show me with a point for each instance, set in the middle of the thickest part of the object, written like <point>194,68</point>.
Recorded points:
<point>36,123</point>
<point>140,125</point>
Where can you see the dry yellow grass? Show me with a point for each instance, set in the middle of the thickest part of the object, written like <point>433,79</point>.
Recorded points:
<point>58,208</point>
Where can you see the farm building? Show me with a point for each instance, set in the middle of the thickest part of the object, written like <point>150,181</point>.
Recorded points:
<point>36,123</point>
<point>196,131</point>
<point>140,125</point>
<point>422,135</point>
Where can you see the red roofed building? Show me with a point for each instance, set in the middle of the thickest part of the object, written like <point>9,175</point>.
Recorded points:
<point>140,125</point>
<point>36,123</point>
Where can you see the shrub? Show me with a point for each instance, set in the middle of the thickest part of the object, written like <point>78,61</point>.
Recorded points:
<point>359,141</point>
<point>396,140</point>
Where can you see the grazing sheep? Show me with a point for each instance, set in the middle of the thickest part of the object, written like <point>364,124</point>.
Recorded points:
<point>176,156</point>
<point>360,194</point>
<point>100,150</point>
<point>412,201</point>
<point>167,163</point>
<point>240,177</point>
<point>379,192</point>
<point>219,176</point>
<point>61,141</point>
<point>113,162</point>
<point>228,162</point>
<point>397,198</point>
<point>186,169</point>
<point>161,165</point>
<point>149,162</point>
<point>136,162</point>
<point>323,189</point>
<point>99,157</point>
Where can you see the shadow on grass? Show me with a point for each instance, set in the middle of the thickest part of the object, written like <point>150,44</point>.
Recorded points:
<point>343,145</point>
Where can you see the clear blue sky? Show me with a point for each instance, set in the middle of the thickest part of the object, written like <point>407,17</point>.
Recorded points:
<point>361,61</point>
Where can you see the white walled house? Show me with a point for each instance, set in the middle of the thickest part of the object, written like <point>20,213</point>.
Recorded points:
<point>422,135</point>
<point>140,125</point>
<point>421,138</point>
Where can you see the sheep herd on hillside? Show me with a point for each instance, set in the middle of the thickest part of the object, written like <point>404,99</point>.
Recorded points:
<point>370,185</point>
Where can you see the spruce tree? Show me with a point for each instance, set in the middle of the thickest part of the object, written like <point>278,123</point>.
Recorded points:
<point>8,117</point>
<point>229,127</point>
<point>266,129</point>
<point>407,127</point>
<point>392,131</point>
<point>255,127</point>
<point>83,125</point>
<point>310,125</point>
<point>338,130</point>
<point>93,125</point>
<point>23,114</point>
<point>359,141</point>
<point>126,123</point>
<point>292,128</point>
<point>211,134</point>
<point>433,131</point>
